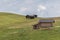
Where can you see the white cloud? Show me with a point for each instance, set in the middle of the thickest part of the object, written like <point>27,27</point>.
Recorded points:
<point>23,9</point>
<point>38,9</point>
<point>41,7</point>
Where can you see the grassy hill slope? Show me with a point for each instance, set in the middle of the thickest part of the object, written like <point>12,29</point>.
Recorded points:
<point>17,27</point>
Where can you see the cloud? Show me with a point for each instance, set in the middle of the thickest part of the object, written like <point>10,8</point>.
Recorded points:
<point>41,7</point>
<point>38,9</point>
<point>23,9</point>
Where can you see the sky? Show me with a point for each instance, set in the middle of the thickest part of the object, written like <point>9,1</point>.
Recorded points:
<point>42,8</point>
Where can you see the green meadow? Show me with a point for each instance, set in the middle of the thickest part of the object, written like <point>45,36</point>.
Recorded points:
<point>17,27</point>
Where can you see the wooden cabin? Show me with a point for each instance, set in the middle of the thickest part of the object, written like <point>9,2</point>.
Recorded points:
<point>46,23</point>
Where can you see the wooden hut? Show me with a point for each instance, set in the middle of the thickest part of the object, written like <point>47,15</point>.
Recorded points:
<point>46,23</point>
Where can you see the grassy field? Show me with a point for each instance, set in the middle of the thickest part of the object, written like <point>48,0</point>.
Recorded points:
<point>17,27</point>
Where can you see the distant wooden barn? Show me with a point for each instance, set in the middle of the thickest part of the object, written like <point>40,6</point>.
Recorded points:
<point>45,23</point>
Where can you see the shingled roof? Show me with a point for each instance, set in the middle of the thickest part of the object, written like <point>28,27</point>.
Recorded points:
<point>47,21</point>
